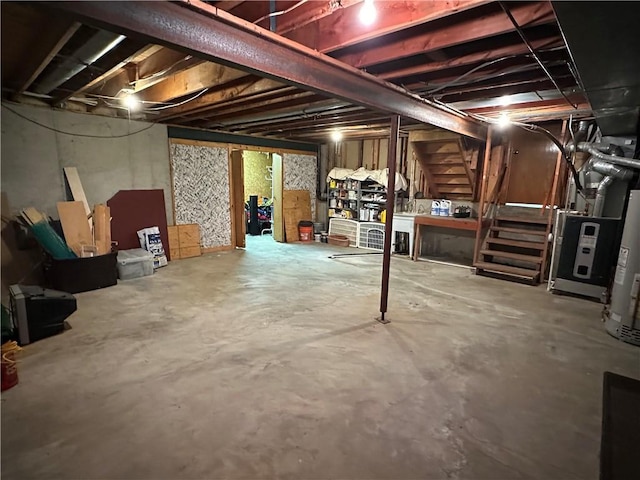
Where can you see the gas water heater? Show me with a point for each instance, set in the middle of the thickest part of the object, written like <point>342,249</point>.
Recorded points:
<point>623,321</point>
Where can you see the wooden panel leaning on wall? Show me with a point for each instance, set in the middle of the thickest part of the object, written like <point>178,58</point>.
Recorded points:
<point>296,206</point>
<point>184,241</point>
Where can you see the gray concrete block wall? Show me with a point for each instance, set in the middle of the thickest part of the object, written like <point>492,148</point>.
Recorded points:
<point>33,157</point>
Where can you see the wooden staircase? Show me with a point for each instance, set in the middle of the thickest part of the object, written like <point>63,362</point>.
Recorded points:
<point>516,248</point>
<point>446,168</point>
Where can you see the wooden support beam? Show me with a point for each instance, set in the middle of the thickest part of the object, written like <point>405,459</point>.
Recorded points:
<point>35,63</point>
<point>152,65</point>
<point>491,23</point>
<point>309,12</point>
<point>191,80</point>
<point>249,87</point>
<point>247,108</point>
<point>343,28</point>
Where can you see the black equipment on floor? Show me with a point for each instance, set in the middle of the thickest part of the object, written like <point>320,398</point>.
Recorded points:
<point>254,222</point>
<point>39,312</point>
<point>620,428</point>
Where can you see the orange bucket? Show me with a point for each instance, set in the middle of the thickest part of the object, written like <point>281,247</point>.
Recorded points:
<point>305,231</point>
<point>306,234</point>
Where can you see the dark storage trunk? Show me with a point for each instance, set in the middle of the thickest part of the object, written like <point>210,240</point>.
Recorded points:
<point>77,275</point>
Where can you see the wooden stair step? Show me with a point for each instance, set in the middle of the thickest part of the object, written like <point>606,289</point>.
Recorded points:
<point>445,161</point>
<point>516,243</point>
<point>512,256</point>
<point>522,231</point>
<point>454,189</point>
<point>452,181</point>
<point>447,170</point>
<point>508,269</point>
<point>536,221</point>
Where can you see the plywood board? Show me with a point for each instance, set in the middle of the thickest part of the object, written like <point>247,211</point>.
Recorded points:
<point>237,198</point>
<point>189,235</point>
<point>75,185</point>
<point>299,200</point>
<point>172,233</point>
<point>102,228</point>
<point>74,225</point>
<point>296,207</point>
<point>188,252</point>
<point>291,219</point>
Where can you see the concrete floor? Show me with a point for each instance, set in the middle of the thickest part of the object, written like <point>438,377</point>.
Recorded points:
<point>268,363</point>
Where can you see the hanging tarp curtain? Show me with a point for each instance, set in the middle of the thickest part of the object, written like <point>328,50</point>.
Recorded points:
<point>362,174</point>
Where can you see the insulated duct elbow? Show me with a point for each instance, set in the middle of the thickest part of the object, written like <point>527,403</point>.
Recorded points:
<point>601,194</point>
<point>610,170</point>
<point>91,51</point>
<point>617,160</point>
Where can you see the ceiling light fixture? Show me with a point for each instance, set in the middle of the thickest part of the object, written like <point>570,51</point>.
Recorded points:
<point>368,12</point>
<point>131,102</point>
<point>503,120</point>
<point>336,136</point>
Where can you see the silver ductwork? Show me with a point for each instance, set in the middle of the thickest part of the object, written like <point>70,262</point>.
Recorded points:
<point>95,48</point>
<point>617,160</point>
<point>607,160</point>
<point>615,171</point>
<point>612,172</point>
<point>581,133</point>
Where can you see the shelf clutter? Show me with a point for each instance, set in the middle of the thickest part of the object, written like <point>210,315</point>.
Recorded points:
<point>359,194</point>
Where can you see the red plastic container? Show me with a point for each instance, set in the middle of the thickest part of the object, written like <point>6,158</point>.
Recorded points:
<point>9,372</point>
<point>305,233</point>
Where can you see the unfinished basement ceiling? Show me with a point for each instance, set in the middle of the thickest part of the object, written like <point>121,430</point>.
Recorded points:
<point>469,55</point>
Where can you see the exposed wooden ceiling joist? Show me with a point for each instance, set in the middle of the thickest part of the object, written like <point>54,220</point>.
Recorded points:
<point>343,27</point>
<point>204,31</point>
<point>155,64</point>
<point>491,23</point>
<point>471,59</point>
<point>249,87</point>
<point>191,80</point>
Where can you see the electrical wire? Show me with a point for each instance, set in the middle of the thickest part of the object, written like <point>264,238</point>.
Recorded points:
<point>466,74</point>
<point>163,107</point>
<point>535,55</point>
<point>281,12</point>
<point>75,134</point>
<point>480,67</point>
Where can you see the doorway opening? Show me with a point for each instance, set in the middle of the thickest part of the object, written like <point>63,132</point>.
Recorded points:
<point>256,179</point>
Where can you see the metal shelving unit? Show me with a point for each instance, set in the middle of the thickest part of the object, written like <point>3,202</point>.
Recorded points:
<point>356,200</point>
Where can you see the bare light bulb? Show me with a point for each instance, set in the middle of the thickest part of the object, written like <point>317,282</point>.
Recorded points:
<point>368,12</point>
<point>132,102</point>
<point>503,120</point>
<point>336,136</point>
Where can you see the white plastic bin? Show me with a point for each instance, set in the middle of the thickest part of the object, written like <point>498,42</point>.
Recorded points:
<point>134,263</point>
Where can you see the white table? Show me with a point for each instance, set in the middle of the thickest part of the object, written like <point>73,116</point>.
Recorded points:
<point>403,222</point>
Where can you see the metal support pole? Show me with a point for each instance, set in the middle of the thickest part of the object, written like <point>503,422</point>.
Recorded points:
<point>391,202</point>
